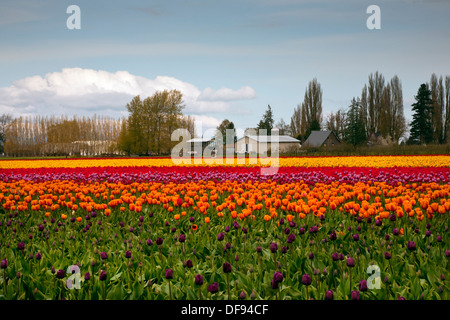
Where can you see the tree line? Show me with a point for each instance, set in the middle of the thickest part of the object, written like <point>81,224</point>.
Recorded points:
<point>376,116</point>
<point>146,131</point>
<point>36,136</point>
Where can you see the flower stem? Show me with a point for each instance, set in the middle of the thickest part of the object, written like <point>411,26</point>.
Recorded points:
<point>228,282</point>
<point>4,281</point>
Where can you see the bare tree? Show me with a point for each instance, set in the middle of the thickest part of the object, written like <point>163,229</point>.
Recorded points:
<point>397,121</point>
<point>283,127</point>
<point>439,95</point>
<point>5,121</point>
<point>446,114</point>
<point>336,122</point>
<point>312,105</point>
<point>296,121</point>
<point>382,107</point>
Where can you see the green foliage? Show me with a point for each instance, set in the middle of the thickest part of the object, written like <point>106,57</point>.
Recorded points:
<point>411,275</point>
<point>421,127</point>
<point>222,128</point>
<point>313,126</point>
<point>151,123</point>
<point>267,121</point>
<point>354,131</point>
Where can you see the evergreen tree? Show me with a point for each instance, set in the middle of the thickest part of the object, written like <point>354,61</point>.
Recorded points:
<point>314,126</point>
<point>421,126</point>
<point>354,132</point>
<point>267,121</point>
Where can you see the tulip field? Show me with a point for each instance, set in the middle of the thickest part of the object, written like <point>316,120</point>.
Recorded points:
<point>322,228</point>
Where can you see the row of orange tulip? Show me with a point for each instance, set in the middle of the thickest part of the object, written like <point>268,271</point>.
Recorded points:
<point>239,200</point>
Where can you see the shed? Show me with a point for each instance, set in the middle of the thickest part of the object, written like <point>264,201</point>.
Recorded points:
<point>321,138</point>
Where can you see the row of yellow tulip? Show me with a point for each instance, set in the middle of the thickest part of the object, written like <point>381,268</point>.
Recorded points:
<point>344,161</point>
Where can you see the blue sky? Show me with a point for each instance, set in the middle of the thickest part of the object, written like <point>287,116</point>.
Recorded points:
<point>229,58</point>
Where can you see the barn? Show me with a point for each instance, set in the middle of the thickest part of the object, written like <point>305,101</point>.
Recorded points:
<point>262,144</point>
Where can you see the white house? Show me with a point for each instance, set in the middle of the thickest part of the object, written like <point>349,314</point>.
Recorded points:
<point>262,144</point>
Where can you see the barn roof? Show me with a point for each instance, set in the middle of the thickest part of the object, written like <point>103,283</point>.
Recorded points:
<point>281,139</point>
<point>317,138</point>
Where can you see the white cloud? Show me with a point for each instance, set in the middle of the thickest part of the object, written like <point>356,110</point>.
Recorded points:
<point>75,90</point>
<point>226,94</point>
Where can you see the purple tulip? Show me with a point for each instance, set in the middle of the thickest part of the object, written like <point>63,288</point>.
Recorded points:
<point>350,262</point>
<point>278,277</point>
<point>60,274</point>
<point>168,274</point>
<point>221,236</point>
<point>306,279</point>
<point>198,280</point>
<point>182,238</point>
<point>213,288</point>
<point>226,267</point>
<point>21,246</point>
<point>4,264</point>
<point>363,285</point>
<point>290,238</point>
<point>103,276</point>
<point>355,295</point>
<point>411,245</point>
<point>329,295</point>
<point>273,247</point>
